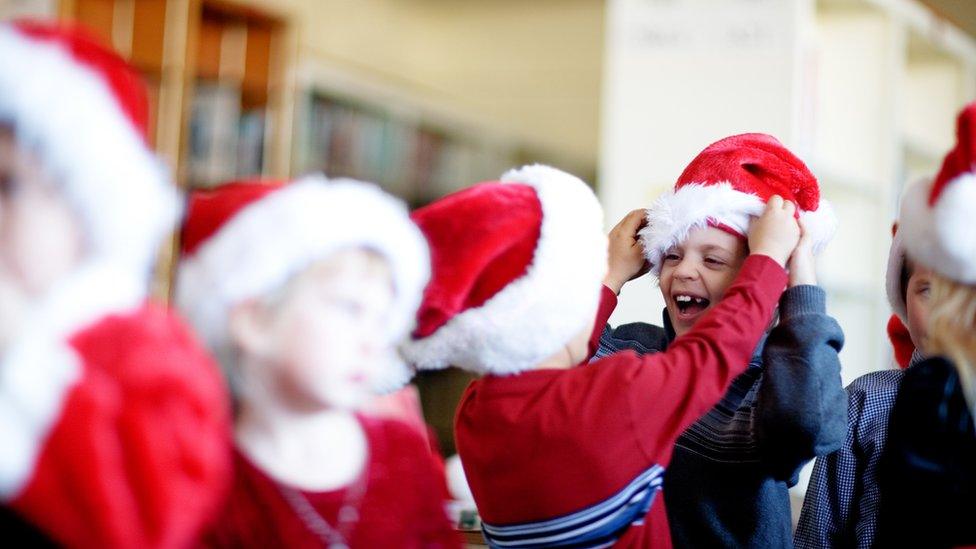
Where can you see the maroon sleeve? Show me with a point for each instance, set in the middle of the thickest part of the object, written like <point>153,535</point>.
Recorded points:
<point>608,302</point>
<point>668,391</point>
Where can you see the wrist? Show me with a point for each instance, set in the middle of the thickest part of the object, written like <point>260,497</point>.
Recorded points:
<point>614,284</point>
<point>803,279</point>
<point>781,261</point>
<point>803,270</point>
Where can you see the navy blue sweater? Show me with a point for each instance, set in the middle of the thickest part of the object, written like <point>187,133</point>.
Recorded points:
<point>728,481</point>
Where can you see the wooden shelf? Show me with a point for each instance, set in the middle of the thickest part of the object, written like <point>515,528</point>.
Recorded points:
<point>181,45</point>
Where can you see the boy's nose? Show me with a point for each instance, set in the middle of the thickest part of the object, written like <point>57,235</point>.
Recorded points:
<point>685,270</point>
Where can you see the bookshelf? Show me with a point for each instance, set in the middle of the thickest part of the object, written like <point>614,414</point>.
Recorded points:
<point>218,101</point>
<point>214,86</point>
<point>232,105</point>
<point>409,155</point>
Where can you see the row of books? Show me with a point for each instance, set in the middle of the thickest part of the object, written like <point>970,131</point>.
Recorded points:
<point>416,161</point>
<point>226,142</point>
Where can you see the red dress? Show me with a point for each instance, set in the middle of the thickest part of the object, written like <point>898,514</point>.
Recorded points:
<point>403,504</point>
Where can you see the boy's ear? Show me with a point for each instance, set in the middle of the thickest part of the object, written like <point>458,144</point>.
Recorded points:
<point>247,327</point>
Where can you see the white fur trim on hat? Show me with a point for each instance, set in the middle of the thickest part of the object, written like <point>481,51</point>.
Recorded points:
<point>942,236</point>
<point>536,315</point>
<point>269,241</point>
<point>41,366</point>
<point>896,295</point>
<point>675,214</point>
<point>68,116</point>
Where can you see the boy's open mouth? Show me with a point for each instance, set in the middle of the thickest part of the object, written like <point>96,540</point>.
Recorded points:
<point>690,305</point>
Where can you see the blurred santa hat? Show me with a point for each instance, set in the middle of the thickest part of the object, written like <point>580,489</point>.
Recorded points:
<point>517,265</point>
<point>936,219</point>
<point>84,112</point>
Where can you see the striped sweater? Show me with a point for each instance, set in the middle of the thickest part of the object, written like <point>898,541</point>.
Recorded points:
<point>727,484</point>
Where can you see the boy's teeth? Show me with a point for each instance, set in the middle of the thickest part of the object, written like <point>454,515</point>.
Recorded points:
<point>683,298</point>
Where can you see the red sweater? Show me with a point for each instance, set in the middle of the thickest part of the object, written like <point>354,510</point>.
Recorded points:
<point>404,503</point>
<point>576,455</point>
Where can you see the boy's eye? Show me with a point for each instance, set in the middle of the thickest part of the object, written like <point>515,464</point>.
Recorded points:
<point>715,262</point>
<point>672,257</point>
<point>924,290</point>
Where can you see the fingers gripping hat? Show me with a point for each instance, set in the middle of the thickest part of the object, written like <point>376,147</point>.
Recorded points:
<point>83,110</point>
<point>936,220</point>
<point>242,240</point>
<point>726,185</point>
<point>517,265</point>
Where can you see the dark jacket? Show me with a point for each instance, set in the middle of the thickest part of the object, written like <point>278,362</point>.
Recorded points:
<point>927,473</point>
<point>727,484</point>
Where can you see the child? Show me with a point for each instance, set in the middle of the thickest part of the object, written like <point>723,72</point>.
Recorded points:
<point>928,471</point>
<point>301,290</point>
<point>841,504</point>
<point>113,418</point>
<point>728,482</point>
<point>558,454</point>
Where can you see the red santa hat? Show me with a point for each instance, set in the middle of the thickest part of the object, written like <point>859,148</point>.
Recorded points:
<point>936,219</point>
<point>901,341</point>
<point>83,111</point>
<point>243,240</point>
<point>517,265</point>
<point>726,185</point>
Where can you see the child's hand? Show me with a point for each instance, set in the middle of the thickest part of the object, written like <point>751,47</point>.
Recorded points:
<point>775,233</point>
<point>626,261</point>
<point>802,267</point>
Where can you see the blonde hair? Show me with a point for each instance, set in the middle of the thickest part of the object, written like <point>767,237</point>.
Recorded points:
<point>952,329</point>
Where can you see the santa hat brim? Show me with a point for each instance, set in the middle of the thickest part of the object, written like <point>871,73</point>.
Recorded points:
<point>893,287</point>
<point>675,214</point>
<point>275,238</point>
<point>941,236</point>
<point>68,116</point>
<point>537,314</point>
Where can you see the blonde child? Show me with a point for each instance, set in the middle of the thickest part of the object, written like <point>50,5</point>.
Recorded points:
<point>302,290</point>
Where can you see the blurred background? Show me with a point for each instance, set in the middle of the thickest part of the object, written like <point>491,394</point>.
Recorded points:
<point>427,96</point>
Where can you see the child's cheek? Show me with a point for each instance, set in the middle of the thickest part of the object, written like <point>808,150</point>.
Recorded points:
<point>41,242</point>
<point>322,356</point>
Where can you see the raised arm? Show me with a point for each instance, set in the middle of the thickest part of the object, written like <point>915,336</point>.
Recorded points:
<point>801,411</point>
